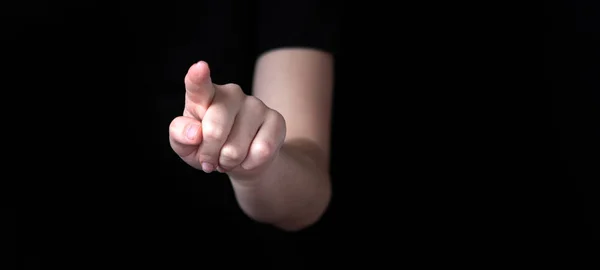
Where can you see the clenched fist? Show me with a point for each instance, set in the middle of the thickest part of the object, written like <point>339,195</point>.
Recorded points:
<point>224,129</point>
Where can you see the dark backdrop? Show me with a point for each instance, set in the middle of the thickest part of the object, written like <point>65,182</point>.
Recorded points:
<point>433,118</point>
<point>572,68</point>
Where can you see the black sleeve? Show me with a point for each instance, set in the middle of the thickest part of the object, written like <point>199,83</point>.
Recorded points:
<point>301,23</point>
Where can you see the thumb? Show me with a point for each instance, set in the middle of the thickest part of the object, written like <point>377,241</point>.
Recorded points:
<point>185,135</point>
<point>199,87</point>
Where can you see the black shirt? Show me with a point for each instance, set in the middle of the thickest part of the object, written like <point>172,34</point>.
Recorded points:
<point>104,83</point>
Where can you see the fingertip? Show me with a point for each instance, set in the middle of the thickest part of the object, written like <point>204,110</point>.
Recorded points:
<point>197,81</point>
<point>202,65</point>
<point>199,72</point>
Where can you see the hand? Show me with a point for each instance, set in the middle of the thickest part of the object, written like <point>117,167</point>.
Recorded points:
<point>224,129</point>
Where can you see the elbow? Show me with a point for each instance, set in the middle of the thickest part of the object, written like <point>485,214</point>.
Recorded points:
<point>307,216</point>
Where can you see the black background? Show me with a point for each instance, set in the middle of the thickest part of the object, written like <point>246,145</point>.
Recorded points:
<point>440,147</point>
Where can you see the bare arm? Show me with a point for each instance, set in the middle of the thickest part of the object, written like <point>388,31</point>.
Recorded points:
<point>294,191</point>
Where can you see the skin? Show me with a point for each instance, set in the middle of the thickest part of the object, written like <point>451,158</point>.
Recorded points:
<point>274,144</point>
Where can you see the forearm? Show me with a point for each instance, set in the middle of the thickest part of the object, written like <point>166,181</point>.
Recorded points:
<point>294,190</point>
<point>291,193</point>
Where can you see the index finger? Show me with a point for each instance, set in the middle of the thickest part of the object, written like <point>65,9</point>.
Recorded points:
<point>198,85</point>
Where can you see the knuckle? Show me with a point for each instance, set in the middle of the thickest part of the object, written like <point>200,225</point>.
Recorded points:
<point>279,121</point>
<point>254,102</point>
<point>264,149</point>
<point>233,88</point>
<point>213,131</point>
<point>232,153</point>
<point>279,117</point>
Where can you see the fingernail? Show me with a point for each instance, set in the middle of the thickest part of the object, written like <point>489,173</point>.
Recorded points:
<point>192,131</point>
<point>207,167</point>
